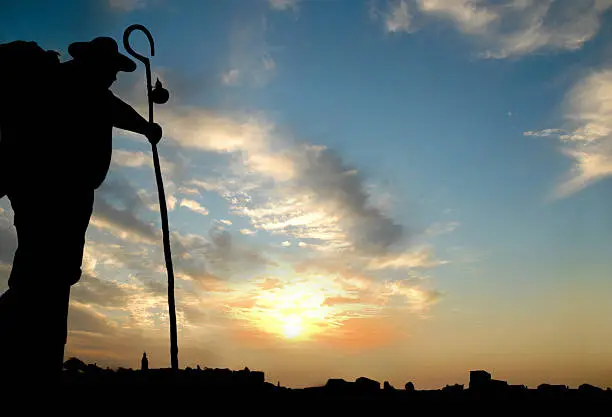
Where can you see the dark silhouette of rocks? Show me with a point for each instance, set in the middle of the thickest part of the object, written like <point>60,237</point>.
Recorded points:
<point>75,365</point>
<point>456,388</point>
<point>388,387</point>
<point>364,384</point>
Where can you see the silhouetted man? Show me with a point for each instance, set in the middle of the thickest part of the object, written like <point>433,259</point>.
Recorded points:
<point>65,147</point>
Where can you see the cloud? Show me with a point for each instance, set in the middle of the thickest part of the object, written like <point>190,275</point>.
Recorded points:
<point>545,133</point>
<point>437,229</point>
<point>93,337</point>
<point>139,159</point>
<point>85,319</point>
<point>508,28</point>
<point>324,301</point>
<point>151,198</point>
<point>93,290</point>
<point>131,159</point>
<point>189,191</point>
<point>420,258</point>
<point>359,334</point>
<point>230,77</point>
<point>322,200</point>
<point>548,25</point>
<point>227,257</point>
<point>172,167</point>
<point>5,273</point>
<point>269,63</point>
<point>206,130</point>
<point>283,4</point>
<point>8,237</point>
<point>282,186</point>
<point>587,140</point>
<point>472,17</point>
<point>123,223</point>
<point>194,206</point>
<point>171,164</point>
<point>295,189</point>
<point>269,283</point>
<point>417,299</point>
<point>126,5</point>
<point>398,18</point>
<point>364,292</point>
<point>250,55</point>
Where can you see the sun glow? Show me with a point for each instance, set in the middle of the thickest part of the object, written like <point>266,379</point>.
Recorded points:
<point>293,312</point>
<point>292,327</point>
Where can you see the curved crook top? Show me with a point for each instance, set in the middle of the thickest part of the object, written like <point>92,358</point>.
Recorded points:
<point>127,46</point>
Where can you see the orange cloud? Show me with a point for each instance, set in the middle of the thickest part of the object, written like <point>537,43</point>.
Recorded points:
<point>331,301</point>
<point>359,334</point>
<point>270,284</point>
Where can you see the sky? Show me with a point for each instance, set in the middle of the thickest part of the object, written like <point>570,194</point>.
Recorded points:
<point>405,190</point>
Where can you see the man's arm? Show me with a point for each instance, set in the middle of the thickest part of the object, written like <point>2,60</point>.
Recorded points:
<point>126,118</point>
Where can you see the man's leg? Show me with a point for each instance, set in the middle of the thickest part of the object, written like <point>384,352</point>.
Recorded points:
<point>7,333</point>
<point>47,263</point>
<point>50,339</point>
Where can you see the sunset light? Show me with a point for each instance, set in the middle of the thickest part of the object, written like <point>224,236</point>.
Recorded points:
<point>398,189</point>
<point>292,312</point>
<point>292,327</point>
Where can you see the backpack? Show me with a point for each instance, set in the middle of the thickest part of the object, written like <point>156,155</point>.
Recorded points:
<point>25,70</point>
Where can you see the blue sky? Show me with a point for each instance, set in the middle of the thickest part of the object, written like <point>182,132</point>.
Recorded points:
<point>424,180</point>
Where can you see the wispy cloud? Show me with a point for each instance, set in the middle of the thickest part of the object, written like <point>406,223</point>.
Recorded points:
<point>470,16</point>
<point>509,28</point>
<point>545,133</point>
<point>283,4</point>
<point>117,209</point>
<point>287,188</point>
<point>96,291</point>
<point>230,77</point>
<point>420,258</point>
<point>127,5</point>
<point>250,60</point>
<point>325,303</point>
<point>194,206</point>
<point>8,237</point>
<point>437,229</point>
<point>588,137</point>
<point>398,17</point>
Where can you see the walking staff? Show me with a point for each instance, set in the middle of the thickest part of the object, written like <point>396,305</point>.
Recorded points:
<point>158,95</point>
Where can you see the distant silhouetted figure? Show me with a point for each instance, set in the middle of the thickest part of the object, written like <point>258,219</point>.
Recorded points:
<point>63,138</point>
<point>409,387</point>
<point>144,363</point>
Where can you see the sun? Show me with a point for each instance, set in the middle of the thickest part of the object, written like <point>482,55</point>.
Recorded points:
<point>292,328</point>
<point>295,312</point>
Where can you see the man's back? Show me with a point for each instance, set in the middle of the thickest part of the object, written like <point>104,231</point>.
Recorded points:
<point>68,141</point>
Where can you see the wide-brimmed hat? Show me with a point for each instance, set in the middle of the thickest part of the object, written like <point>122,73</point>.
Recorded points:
<point>102,51</point>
